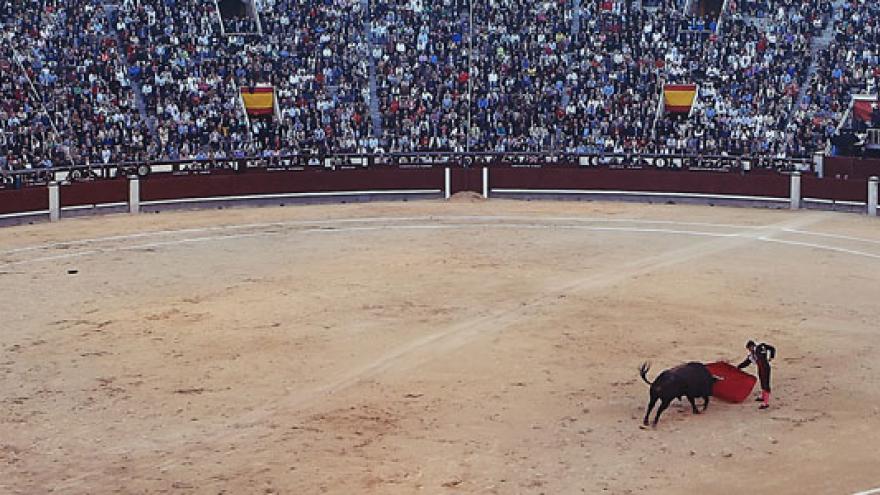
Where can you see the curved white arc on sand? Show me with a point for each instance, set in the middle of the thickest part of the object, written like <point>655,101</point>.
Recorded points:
<point>326,227</point>
<point>435,218</point>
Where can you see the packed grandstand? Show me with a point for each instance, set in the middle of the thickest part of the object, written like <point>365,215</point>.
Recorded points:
<point>100,81</point>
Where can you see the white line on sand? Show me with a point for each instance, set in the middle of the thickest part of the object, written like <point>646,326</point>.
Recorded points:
<point>196,230</point>
<point>452,226</point>
<point>209,229</point>
<point>191,240</point>
<point>318,228</point>
<point>833,236</point>
<point>821,246</point>
<point>875,491</point>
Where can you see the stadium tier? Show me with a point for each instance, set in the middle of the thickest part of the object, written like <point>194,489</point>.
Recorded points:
<point>88,81</point>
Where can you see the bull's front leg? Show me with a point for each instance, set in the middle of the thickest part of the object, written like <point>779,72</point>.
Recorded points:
<point>693,404</point>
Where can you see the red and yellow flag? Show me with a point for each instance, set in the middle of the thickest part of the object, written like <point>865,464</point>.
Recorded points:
<point>679,98</point>
<point>259,100</point>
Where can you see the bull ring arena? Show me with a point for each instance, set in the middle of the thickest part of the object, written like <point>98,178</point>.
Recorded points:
<point>433,324</point>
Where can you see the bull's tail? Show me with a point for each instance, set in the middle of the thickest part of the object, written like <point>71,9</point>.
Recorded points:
<point>643,371</point>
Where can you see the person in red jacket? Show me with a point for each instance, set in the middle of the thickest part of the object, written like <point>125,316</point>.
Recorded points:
<point>761,355</point>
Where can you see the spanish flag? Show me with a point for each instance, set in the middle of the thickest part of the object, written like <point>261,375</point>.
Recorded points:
<point>258,100</point>
<point>679,98</point>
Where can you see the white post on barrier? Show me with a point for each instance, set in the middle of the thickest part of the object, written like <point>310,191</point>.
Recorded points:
<point>54,202</point>
<point>872,196</point>
<point>486,182</point>
<point>447,187</point>
<point>134,194</point>
<point>795,191</point>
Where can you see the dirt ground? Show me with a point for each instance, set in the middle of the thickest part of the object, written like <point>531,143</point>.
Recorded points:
<point>434,347</point>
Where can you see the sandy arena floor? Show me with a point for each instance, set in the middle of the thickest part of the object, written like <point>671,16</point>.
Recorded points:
<point>432,347</point>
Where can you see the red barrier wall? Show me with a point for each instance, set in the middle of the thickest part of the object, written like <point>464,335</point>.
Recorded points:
<point>169,187</point>
<point>96,192</point>
<point>21,200</point>
<point>775,186</point>
<point>205,186</point>
<point>851,168</point>
<point>833,189</point>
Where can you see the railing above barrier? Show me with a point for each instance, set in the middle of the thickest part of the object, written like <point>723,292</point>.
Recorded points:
<point>91,172</point>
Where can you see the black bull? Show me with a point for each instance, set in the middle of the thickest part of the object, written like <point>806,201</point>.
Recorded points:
<point>691,379</point>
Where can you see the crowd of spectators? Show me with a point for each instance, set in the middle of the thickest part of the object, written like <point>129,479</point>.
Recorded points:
<point>752,78</point>
<point>551,77</point>
<point>420,49</point>
<point>849,65</point>
<point>191,73</point>
<point>316,56</point>
<point>186,71</point>
<point>117,80</point>
<point>26,133</point>
<point>64,58</point>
